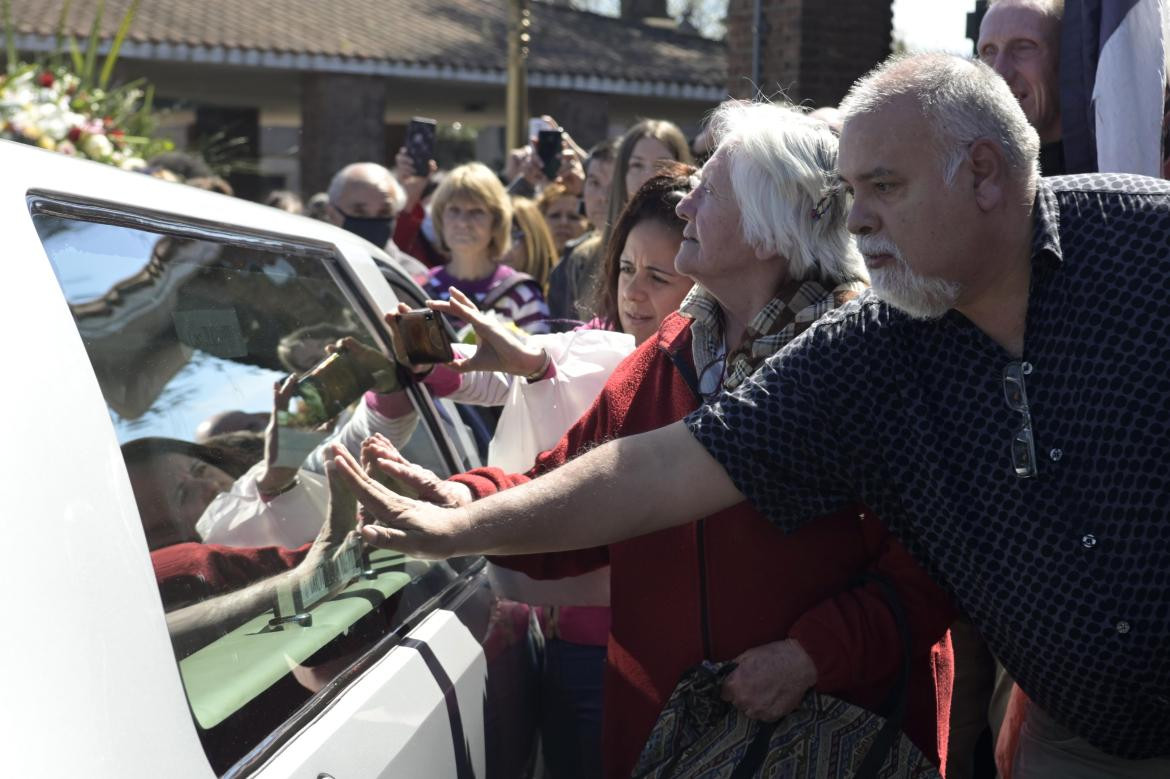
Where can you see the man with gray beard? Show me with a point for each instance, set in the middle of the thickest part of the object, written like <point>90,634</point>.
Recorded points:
<point>1005,408</point>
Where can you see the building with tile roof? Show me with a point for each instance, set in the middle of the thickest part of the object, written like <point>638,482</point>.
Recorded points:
<point>313,85</point>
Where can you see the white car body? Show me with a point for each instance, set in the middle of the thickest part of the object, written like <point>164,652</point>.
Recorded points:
<point>92,688</point>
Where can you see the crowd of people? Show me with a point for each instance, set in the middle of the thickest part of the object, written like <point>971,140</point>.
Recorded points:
<point>873,404</point>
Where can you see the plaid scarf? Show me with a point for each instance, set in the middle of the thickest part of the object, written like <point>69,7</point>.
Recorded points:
<point>796,306</point>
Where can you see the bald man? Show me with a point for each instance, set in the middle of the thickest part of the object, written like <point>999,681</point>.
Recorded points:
<point>1020,40</point>
<point>365,199</point>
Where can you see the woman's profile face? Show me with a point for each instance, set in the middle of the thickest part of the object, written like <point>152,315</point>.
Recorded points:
<point>172,491</point>
<point>648,286</point>
<point>467,224</point>
<point>646,152</point>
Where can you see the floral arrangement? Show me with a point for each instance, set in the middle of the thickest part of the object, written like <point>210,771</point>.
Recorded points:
<point>73,110</point>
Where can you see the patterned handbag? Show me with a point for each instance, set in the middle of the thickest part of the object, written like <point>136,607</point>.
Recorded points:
<point>698,735</point>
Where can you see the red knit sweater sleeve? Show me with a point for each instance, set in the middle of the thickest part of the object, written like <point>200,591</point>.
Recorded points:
<point>853,638</point>
<point>597,425</point>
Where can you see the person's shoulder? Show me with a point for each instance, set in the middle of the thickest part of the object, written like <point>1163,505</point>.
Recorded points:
<point>865,317</point>
<point>502,272</point>
<point>1107,184</point>
<point>591,236</point>
<point>674,329</point>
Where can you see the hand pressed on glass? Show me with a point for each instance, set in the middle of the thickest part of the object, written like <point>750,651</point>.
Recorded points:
<point>386,465</point>
<point>391,521</point>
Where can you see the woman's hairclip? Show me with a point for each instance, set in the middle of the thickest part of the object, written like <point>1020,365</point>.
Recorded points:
<point>823,205</point>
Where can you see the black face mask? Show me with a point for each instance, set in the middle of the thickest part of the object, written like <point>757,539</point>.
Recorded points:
<point>375,229</point>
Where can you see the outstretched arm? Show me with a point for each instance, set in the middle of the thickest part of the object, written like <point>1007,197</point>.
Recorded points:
<point>625,488</point>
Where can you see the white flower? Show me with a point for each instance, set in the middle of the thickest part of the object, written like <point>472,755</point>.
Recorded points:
<point>97,147</point>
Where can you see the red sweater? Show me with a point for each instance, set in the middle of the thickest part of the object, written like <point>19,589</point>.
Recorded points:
<point>715,588</point>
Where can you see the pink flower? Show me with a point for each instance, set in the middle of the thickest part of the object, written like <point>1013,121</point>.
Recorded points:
<point>46,79</point>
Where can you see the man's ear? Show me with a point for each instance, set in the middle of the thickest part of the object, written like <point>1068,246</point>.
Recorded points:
<point>333,215</point>
<point>989,173</point>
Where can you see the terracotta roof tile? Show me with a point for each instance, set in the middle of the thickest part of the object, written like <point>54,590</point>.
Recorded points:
<point>468,33</point>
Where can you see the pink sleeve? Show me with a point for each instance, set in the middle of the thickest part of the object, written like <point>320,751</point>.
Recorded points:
<point>392,405</point>
<point>443,381</point>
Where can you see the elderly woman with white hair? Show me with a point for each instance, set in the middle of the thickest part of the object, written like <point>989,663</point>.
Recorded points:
<point>766,243</point>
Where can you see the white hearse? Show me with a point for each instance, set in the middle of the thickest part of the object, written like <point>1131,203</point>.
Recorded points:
<point>138,309</point>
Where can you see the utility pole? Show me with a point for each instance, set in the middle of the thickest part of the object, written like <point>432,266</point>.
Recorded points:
<point>975,20</point>
<point>519,38</point>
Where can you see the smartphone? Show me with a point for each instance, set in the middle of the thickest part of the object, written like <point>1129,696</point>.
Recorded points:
<point>549,146</point>
<point>420,144</point>
<point>424,337</point>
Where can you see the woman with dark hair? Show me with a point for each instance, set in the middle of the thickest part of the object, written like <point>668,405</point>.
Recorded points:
<point>641,285</point>
<point>174,481</point>
<point>641,149</point>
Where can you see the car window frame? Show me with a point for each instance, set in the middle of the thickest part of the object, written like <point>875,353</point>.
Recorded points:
<point>461,573</point>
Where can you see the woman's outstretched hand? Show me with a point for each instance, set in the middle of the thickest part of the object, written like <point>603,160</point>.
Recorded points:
<point>391,521</point>
<point>497,347</point>
<point>386,465</point>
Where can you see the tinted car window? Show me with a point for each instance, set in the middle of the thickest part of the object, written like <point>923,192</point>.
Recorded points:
<point>188,333</point>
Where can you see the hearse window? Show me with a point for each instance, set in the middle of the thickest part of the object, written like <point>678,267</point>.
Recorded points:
<point>268,597</point>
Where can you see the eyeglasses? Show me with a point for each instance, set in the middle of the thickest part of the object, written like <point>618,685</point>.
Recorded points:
<point>1023,445</point>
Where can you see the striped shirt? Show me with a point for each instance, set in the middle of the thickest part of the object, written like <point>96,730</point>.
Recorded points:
<point>523,304</point>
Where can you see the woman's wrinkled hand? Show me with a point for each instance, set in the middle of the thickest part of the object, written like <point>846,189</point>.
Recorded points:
<point>497,347</point>
<point>770,680</point>
<point>386,465</point>
<point>390,521</point>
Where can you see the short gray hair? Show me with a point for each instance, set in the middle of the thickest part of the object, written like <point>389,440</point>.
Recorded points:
<point>962,100</point>
<point>782,167</point>
<point>1053,9</point>
<point>367,173</point>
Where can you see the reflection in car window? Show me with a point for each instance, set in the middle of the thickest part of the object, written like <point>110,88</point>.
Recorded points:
<point>188,338</point>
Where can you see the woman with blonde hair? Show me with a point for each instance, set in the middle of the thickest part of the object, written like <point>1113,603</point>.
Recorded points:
<point>473,222</point>
<point>533,250</point>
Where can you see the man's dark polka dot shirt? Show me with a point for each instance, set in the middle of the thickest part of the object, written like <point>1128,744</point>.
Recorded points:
<point>1066,574</point>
